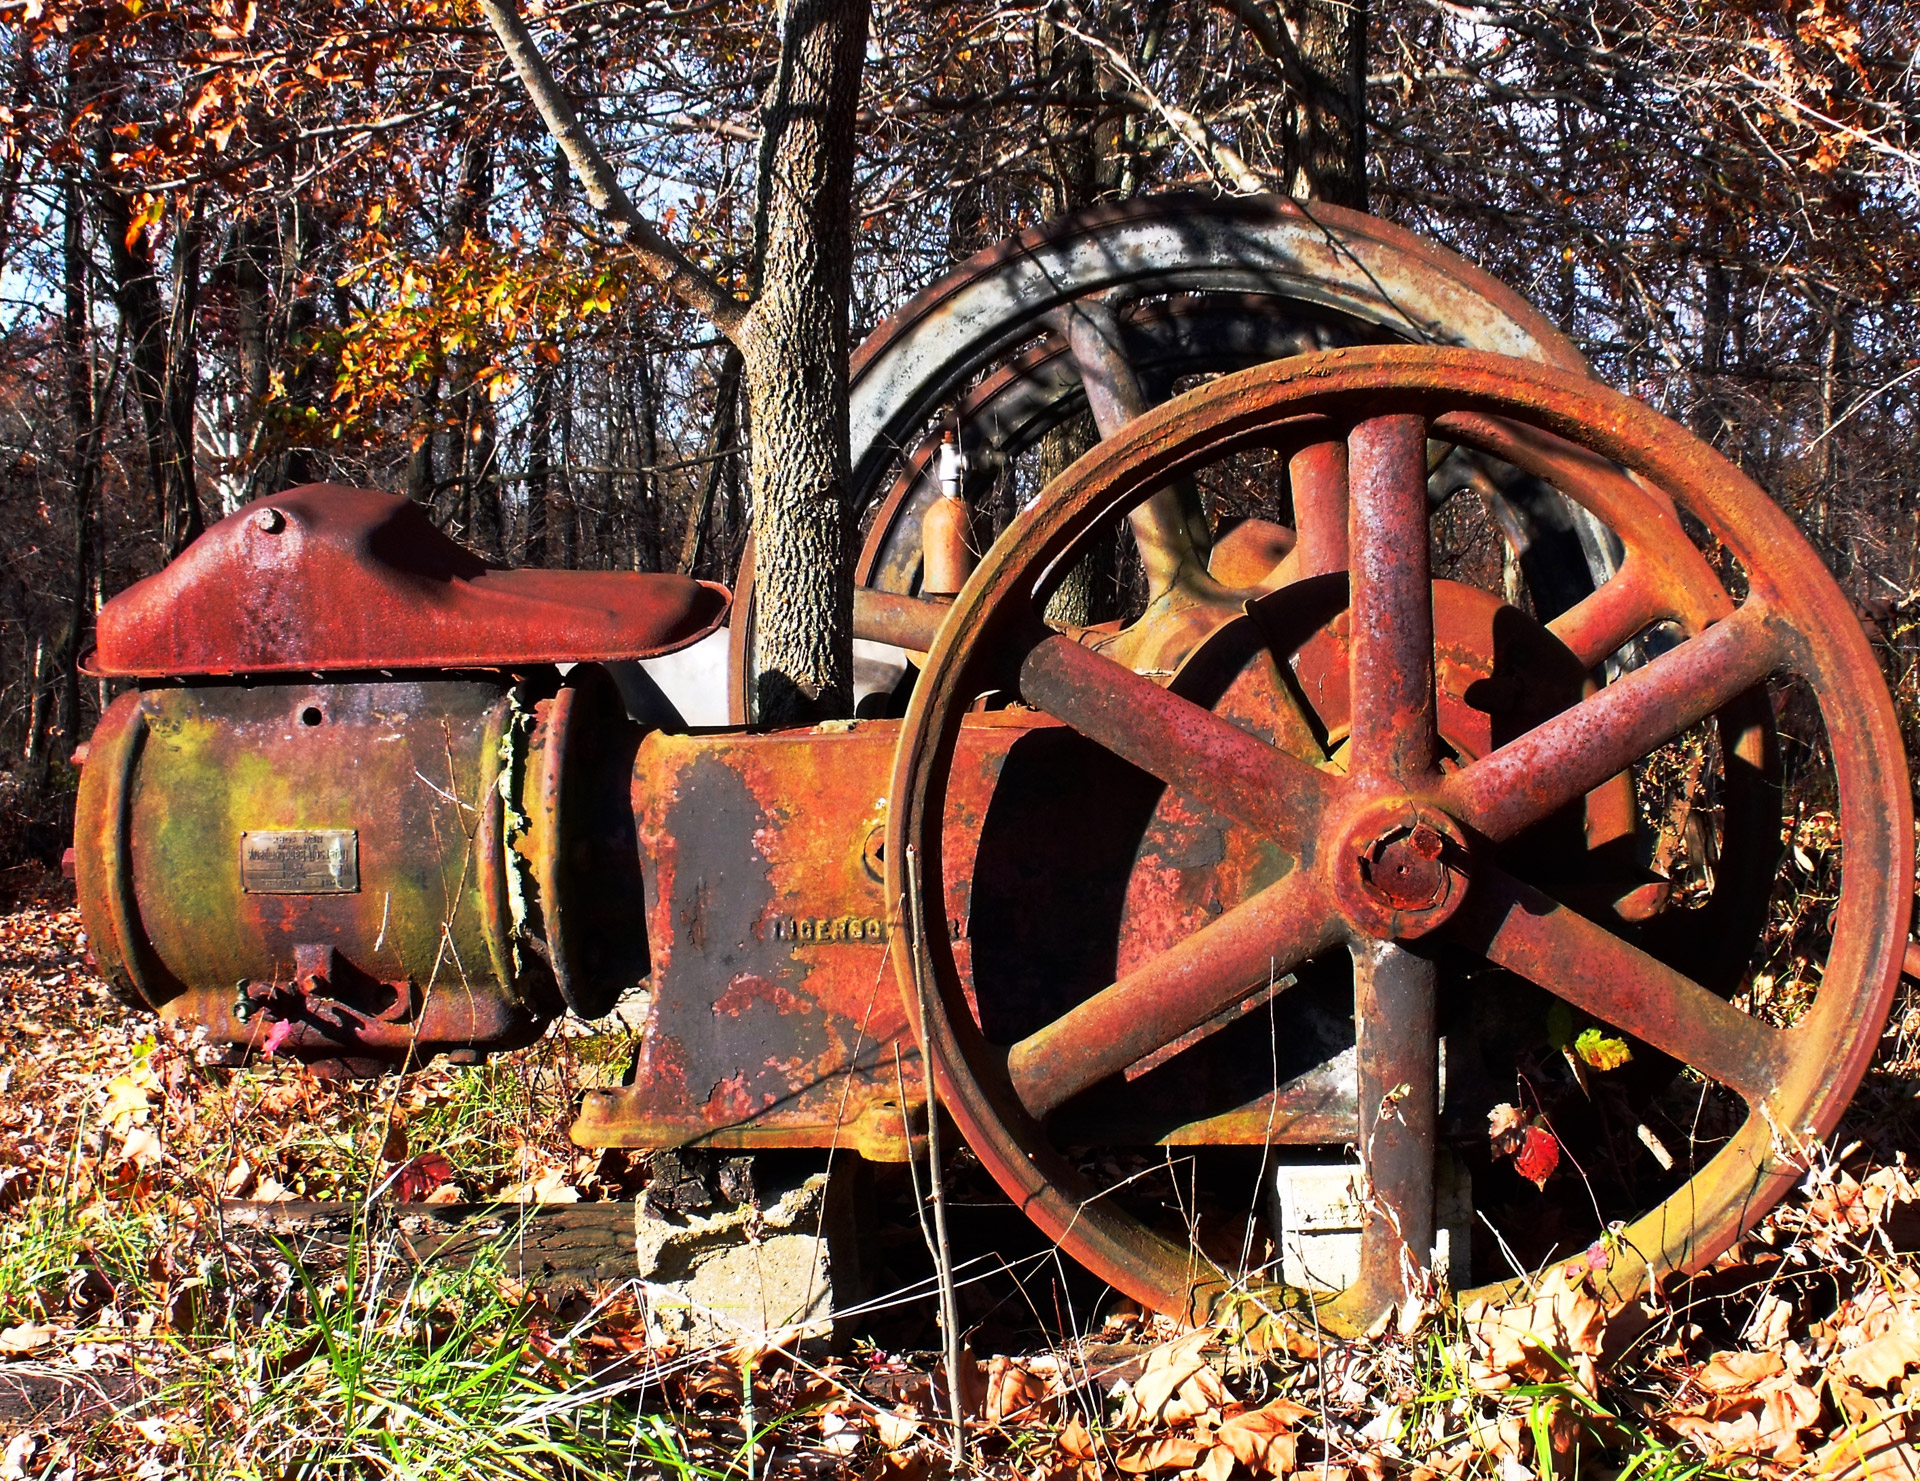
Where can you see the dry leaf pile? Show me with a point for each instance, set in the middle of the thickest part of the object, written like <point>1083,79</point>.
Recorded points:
<point>1797,1355</point>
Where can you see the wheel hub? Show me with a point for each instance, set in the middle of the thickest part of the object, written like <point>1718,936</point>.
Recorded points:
<point>1399,869</point>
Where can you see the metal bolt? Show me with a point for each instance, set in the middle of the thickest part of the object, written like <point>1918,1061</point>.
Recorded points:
<point>1402,868</point>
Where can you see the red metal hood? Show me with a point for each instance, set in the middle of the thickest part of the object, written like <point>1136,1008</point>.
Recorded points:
<point>328,577</point>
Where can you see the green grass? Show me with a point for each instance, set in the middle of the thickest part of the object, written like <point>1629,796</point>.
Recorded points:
<point>391,1371</point>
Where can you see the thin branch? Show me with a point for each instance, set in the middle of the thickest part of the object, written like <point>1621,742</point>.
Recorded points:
<point>684,279</point>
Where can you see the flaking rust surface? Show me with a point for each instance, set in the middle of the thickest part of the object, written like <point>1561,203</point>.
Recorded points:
<point>774,1014</point>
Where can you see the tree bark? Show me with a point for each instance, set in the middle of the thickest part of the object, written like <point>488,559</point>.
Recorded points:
<point>424,411</point>
<point>83,463</point>
<point>794,360</point>
<point>726,422</point>
<point>533,550</point>
<point>792,336</point>
<point>476,509</point>
<point>161,352</point>
<point>1329,135</point>
<point>254,250</point>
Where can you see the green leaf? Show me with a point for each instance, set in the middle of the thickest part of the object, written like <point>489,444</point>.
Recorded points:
<point>1560,1026</point>
<point>1601,1052</point>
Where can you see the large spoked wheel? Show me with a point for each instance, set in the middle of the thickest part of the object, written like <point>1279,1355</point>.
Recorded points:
<point>1398,846</point>
<point>1106,309</point>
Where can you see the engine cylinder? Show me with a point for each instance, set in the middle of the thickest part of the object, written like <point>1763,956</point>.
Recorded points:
<point>362,872</point>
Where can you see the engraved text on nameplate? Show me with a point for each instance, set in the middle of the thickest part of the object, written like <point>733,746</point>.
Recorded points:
<point>851,930</point>
<point>300,861</point>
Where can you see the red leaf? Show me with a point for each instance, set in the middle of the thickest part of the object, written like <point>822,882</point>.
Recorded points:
<point>1539,1155</point>
<point>421,1176</point>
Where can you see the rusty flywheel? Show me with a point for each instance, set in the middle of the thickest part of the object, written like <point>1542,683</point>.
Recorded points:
<point>1423,782</point>
<point>1107,309</point>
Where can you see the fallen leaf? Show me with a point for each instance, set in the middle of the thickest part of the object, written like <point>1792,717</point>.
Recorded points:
<point>1162,1453</point>
<point>421,1176</point>
<point>1176,1384</point>
<point>1770,1323</point>
<point>1880,1362</point>
<point>1016,1393</point>
<point>1215,1465</point>
<point>142,1148</point>
<point>895,1428</point>
<point>1733,1372</point>
<point>26,1338</point>
<point>1765,1420</point>
<point>128,1098</point>
<point>1074,1442</point>
<point>22,1455</point>
<point>1262,1439</point>
<point>1879,1448</point>
<point>1278,1334</point>
<point>840,1432</point>
<point>1542,1340</point>
<point>1504,1125</point>
<point>550,1186</point>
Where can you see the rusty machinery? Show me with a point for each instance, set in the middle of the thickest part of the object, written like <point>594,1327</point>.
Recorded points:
<point>1303,855</point>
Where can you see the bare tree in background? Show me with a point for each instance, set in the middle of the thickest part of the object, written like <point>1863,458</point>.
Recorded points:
<point>790,329</point>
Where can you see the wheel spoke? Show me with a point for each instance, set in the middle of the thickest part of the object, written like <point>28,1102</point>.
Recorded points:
<point>1185,745</point>
<point>1164,524</point>
<point>1318,474</point>
<point>1595,627</point>
<point>1536,774</point>
<point>1393,698</point>
<point>1515,926</point>
<point>1397,1049</point>
<point>1257,941</point>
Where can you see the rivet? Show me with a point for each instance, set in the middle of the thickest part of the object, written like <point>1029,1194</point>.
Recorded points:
<point>270,520</point>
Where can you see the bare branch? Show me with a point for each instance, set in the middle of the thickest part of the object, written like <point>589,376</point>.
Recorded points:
<point>684,279</point>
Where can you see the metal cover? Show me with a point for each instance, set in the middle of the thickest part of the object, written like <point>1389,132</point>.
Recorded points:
<point>324,578</point>
<point>300,861</point>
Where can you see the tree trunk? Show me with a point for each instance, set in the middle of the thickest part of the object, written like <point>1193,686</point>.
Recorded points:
<point>1086,156</point>
<point>476,500</point>
<point>424,410</point>
<point>161,353</point>
<point>726,418</point>
<point>83,461</point>
<point>792,334</point>
<point>533,550</point>
<point>794,356</point>
<point>651,486</point>
<point>1329,135</point>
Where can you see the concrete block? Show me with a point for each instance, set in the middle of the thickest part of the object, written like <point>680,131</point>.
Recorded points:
<point>1318,1209</point>
<point>764,1275</point>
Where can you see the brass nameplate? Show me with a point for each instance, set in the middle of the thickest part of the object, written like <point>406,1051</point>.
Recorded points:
<point>300,861</point>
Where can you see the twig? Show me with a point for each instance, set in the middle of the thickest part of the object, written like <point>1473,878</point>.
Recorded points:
<point>943,1254</point>
<point>662,260</point>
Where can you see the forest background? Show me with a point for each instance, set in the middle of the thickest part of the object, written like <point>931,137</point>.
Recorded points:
<point>250,243</point>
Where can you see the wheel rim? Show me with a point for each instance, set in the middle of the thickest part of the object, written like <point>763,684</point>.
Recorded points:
<point>1795,1081</point>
